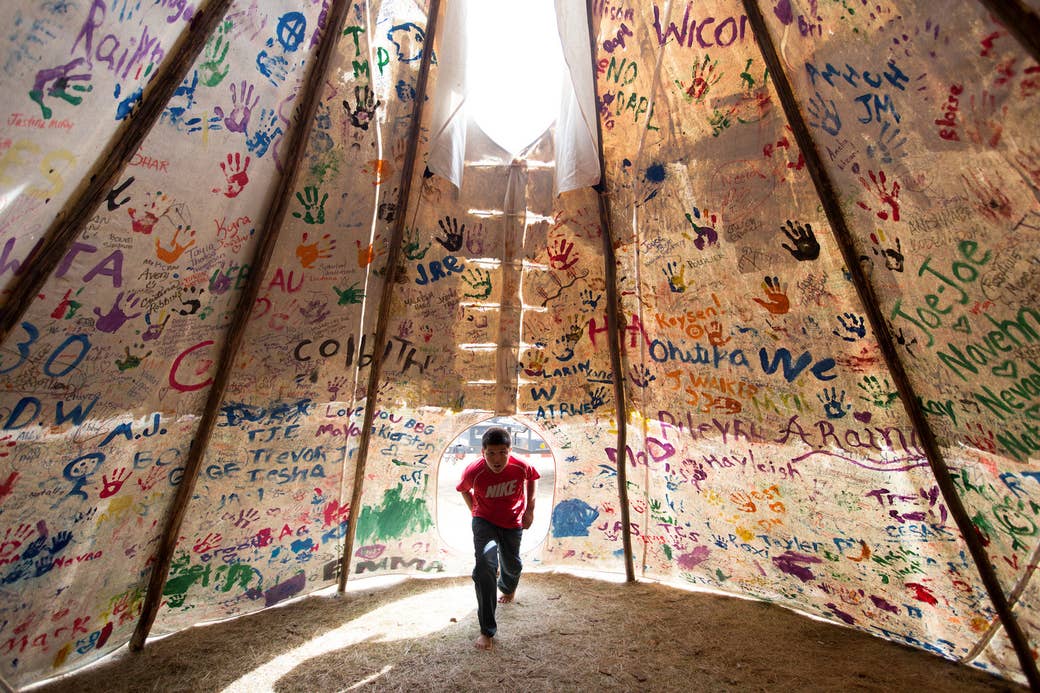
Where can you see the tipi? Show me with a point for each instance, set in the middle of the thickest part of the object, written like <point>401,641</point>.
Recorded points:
<point>767,289</point>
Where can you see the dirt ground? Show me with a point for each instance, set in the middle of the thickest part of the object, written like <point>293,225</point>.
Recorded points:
<point>564,633</point>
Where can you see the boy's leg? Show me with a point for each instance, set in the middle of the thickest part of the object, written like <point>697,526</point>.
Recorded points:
<point>485,549</point>
<point>511,565</point>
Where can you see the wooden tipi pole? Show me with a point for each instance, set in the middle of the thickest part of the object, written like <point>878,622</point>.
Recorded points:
<point>613,327</point>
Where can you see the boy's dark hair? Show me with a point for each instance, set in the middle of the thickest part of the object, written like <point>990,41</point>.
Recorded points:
<point>496,435</point>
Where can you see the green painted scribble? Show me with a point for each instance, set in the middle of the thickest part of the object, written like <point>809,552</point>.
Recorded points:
<point>395,518</point>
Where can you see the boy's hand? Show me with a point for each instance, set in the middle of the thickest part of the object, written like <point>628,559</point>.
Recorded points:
<point>528,518</point>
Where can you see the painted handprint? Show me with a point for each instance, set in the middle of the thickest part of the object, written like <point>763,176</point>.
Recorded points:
<point>364,109</point>
<point>885,195</point>
<point>267,129</point>
<point>115,318</point>
<point>893,256</point>
<point>315,311</point>
<point>641,376</point>
<point>806,247</point>
<point>853,327</point>
<point>833,403</point>
<point>704,77</point>
<point>777,302</point>
<point>60,76</point>
<point>590,299</point>
<point>703,225</point>
<point>321,141</point>
<point>479,282</point>
<point>993,202</point>
<point>350,295</point>
<point>824,116</point>
<point>313,209</point>
<point>388,206</point>
<point>453,237</point>
<point>235,176</point>
<point>241,108</point>
<point>597,397</point>
<point>888,145</point>
<point>8,485</point>
<point>110,487</point>
<point>213,68</point>
<point>309,253</point>
<point>986,125</point>
<point>560,254</point>
<point>335,385</point>
<point>367,254</point>
<point>716,334</point>
<point>274,67</point>
<point>144,220</point>
<point>131,360</point>
<point>676,279</point>
<point>412,251</point>
<point>173,253</point>
<point>154,329</point>
<point>981,438</point>
<point>380,170</point>
<point>903,341</point>
<point>877,393</point>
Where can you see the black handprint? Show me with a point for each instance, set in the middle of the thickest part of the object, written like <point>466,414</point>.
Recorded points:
<point>597,397</point>
<point>806,247</point>
<point>893,256</point>
<point>454,236</point>
<point>361,115</point>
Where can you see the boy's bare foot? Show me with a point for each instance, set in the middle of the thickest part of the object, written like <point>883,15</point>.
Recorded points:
<point>484,643</point>
<point>506,598</point>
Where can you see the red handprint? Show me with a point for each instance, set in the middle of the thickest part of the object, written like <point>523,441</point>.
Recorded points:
<point>235,175</point>
<point>110,487</point>
<point>207,543</point>
<point>153,477</point>
<point>8,486</point>
<point>560,255</point>
<point>886,196</point>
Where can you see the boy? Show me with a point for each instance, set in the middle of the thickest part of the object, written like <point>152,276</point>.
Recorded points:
<point>499,491</point>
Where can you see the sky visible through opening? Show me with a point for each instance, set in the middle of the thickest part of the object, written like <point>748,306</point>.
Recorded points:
<point>515,69</point>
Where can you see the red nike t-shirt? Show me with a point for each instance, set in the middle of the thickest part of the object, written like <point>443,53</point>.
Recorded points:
<point>499,498</point>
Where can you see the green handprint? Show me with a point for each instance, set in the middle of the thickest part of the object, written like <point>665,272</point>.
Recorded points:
<point>350,295</point>
<point>480,281</point>
<point>309,200</point>
<point>877,394</point>
<point>411,246</point>
<point>213,70</point>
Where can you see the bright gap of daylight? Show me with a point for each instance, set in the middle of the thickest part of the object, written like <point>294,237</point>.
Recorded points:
<point>514,69</point>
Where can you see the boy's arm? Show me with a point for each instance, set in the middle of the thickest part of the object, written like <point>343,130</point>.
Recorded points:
<point>468,497</point>
<point>528,518</point>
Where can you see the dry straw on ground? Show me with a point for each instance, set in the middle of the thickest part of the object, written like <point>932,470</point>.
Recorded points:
<point>564,633</point>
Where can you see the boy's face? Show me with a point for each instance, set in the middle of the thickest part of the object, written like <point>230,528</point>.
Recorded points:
<point>496,457</point>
